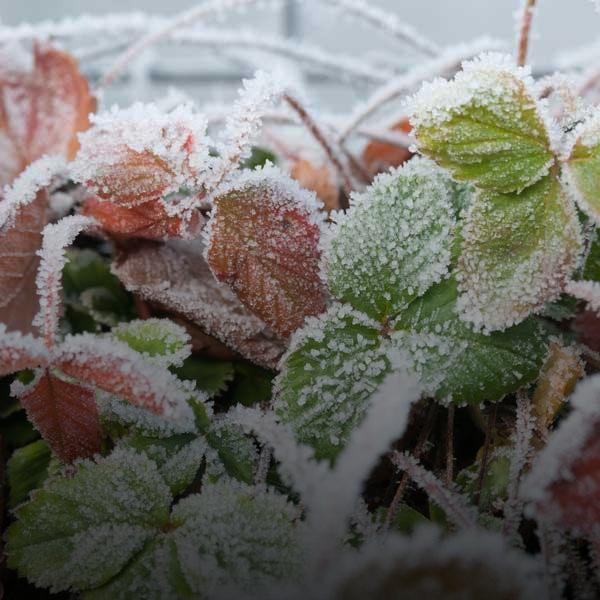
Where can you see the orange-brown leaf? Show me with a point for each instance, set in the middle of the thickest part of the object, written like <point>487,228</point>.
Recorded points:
<point>65,414</point>
<point>379,156</point>
<point>18,265</point>
<point>319,180</point>
<point>264,243</point>
<point>42,110</point>
<point>18,351</point>
<point>149,220</point>
<point>180,282</point>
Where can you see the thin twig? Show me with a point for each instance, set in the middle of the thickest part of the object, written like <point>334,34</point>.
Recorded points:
<point>416,452</point>
<point>321,138</point>
<point>491,424</point>
<point>450,446</point>
<point>526,19</point>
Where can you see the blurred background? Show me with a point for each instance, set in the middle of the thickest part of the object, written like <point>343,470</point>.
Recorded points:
<point>213,72</point>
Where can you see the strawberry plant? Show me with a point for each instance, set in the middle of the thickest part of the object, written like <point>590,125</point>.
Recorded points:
<point>255,350</point>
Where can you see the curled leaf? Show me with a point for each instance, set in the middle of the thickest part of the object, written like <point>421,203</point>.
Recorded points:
<point>180,281</point>
<point>263,240</point>
<point>64,413</point>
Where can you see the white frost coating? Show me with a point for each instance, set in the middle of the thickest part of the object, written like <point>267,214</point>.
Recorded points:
<point>18,351</point>
<point>565,446</point>
<point>450,501</point>
<point>419,566</point>
<point>56,238</point>
<point>243,124</point>
<point>146,383</point>
<point>24,189</point>
<point>448,61</point>
<point>386,420</point>
<point>177,141</point>
<point>586,290</point>
<point>157,335</point>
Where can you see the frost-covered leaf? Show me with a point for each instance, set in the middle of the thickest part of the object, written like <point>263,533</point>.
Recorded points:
<point>114,367</point>
<point>210,375</point>
<point>394,243</point>
<point>462,365</point>
<point>469,566</point>
<point>19,243</point>
<point>44,102</point>
<point>149,220</point>
<point>230,541</point>
<point>140,154</point>
<point>564,483</point>
<point>378,156</point>
<point>485,125</point>
<point>27,469</point>
<point>518,252</point>
<point>157,340</point>
<point>64,413</point>
<point>263,240</point>
<point>79,532</point>
<point>334,364</point>
<point>18,351</point>
<point>178,457</point>
<point>179,280</point>
<point>589,291</point>
<point>582,170</point>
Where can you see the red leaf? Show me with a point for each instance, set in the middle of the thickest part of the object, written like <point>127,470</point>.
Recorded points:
<point>19,352</point>
<point>42,110</point>
<point>149,220</point>
<point>117,369</point>
<point>319,180</point>
<point>180,281</point>
<point>264,242</point>
<point>18,265</point>
<point>65,414</point>
<point>379,156</point>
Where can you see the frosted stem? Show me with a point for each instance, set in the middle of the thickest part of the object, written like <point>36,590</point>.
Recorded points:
<point>321,138</point>
<point>525,18</point>
<point>486,452</point>
<point>179,21</point>
<point>455,507</point>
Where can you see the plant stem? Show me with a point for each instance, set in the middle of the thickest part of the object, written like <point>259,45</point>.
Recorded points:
<point>486,452</point>
<point>525,31</point>
<point>450,446</point>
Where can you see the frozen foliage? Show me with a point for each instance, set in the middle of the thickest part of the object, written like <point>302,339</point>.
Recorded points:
<point>394,243</point>
<point>470,565</point>
<point>262,240</point>
<point>157,340</point>
<point>18,351</point>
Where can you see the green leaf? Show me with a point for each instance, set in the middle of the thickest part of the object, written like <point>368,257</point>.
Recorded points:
<point>333,365</point>
<point>252,384</point>
<point>395,241</point>
<point>583,167</point>
<point>461,365</point>
<point>27,469</point>
<point>234,452</point>
<point>485,125</point>
<point>79,532</point>
<point>178,457</point>
<point>518,251</point>
<point>259,158</point>
<point>591,269</point>
<point>210,375</point>
<point>495,483</point>
<point>160,340</point>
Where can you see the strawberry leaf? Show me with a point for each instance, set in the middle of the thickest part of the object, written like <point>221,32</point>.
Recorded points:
<point>179,280</point>
<point>79,532</point>
<point>485,125</point>
<point>333,365</point>
<point>64,413</point>
<point>27,469</point>
<point>18,351</point>
<point>394,243</point>
<point>518,252</point>
<point>263,241</point>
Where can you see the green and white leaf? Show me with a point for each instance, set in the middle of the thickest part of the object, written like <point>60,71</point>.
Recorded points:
<point>158,340</point>
<point>394,242</point>
<point>518,251</point>
<point>485,125</point>
<point>333,365</point>
<point>582,170</point>
<point>460,365</point>
<point>77,533</point>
